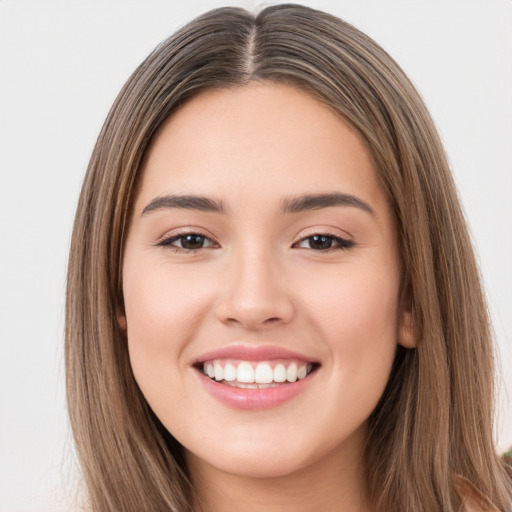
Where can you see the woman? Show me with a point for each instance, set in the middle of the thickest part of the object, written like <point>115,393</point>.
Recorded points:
<point>273,301</point>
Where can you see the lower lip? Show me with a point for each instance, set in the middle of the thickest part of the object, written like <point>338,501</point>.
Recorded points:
<point>253,399</point>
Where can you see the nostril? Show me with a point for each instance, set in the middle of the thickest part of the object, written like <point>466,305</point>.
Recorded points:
<point>253,322</point>
<point>259,302</point>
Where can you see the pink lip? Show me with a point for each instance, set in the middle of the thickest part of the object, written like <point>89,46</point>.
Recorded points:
<point>253,399</point>
<point>248,353</point>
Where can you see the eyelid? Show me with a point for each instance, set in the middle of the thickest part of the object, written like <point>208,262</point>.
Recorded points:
<point>170,236</point>
<point>343,241</point>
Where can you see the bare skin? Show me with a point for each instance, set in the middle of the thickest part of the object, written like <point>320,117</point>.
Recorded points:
<point>255,267</point>
<point>312,488</point>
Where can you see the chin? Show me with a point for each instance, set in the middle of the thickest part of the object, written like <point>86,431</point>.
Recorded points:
<point>251,465</point>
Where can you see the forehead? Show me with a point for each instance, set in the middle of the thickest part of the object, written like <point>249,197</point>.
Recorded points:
<point>258,140</point>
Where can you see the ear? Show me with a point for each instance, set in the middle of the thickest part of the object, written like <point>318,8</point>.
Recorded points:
<point>405,329</point>
<point>123,325</point>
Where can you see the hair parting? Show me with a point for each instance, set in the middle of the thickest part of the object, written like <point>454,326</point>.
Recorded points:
<point>433,423</point>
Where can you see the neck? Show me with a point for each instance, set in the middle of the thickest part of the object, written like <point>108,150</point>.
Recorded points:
<point>334,483</point>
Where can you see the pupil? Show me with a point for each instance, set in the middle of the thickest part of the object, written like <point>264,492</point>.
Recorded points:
<point>321,242</point>
<point>192,242</point>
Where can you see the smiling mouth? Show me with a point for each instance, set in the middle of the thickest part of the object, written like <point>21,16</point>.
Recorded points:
<point>256,374</point>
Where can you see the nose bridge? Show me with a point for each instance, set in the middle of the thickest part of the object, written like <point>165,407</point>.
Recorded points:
<point>255,294</point>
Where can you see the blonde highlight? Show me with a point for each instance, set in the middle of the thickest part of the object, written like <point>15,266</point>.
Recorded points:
<point>434,420</point>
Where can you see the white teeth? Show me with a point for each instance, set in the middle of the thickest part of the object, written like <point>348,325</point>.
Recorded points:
<point>244,385</point>
<point>279,373</point>
<point>302,372</point>
<point>263,374</point>
<point>229,372</point>
<point>252,386</point>
<point>245,373</point>
<point>291,373</point>
<point>218,371</point>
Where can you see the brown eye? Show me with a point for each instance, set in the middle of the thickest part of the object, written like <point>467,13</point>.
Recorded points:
<point>192,241</point>
<point>187,242</point>
<point>323,242</point>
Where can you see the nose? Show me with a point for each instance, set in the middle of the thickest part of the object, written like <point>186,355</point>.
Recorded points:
<point>255,293</point>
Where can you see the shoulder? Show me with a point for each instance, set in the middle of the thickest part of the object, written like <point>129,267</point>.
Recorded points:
<point>472,499</point>
<point>507,457</point>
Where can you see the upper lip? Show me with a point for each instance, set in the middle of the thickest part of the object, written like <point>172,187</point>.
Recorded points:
<point>253,353</point>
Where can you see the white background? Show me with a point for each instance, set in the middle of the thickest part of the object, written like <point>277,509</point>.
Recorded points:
<point>61,66</point>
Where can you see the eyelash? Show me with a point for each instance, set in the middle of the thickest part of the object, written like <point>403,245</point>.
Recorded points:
<point>342,243</point>
<point>166,242</point>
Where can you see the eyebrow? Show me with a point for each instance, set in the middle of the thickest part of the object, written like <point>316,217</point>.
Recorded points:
<point>293,204</point>
<point>188,202</point>
<point>307,202</point>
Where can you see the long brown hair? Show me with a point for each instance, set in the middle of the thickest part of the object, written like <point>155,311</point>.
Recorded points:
<point>434,420</point>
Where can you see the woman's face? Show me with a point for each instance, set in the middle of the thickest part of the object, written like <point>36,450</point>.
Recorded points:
<point>262,252</point>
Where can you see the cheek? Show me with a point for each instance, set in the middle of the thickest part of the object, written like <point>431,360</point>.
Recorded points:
<point>360,297</point>
<point>356,313</point>
<point>162,312</point>
<point>160,305</point>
